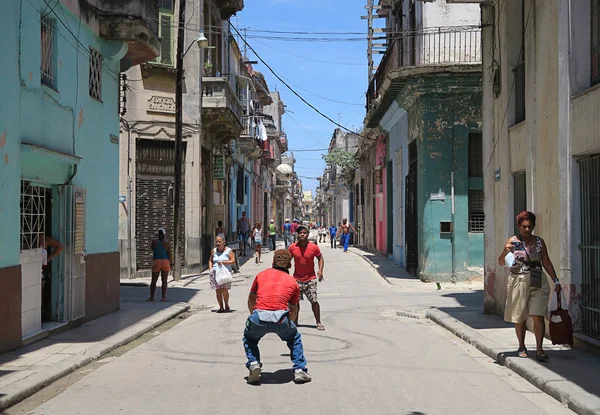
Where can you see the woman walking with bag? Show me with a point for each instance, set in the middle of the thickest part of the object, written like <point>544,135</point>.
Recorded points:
<point>528,289</point>
<point>221,256</point>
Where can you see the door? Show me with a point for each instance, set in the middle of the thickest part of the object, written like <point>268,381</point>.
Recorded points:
<point>389,220</point>
<point>412,256</point>
<point>72,265</point>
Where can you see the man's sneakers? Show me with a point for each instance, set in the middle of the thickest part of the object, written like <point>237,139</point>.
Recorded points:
<point>300,376</point>
<point>254,375</point>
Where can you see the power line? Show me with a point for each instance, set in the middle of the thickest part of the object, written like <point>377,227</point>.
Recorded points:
<point>288,86</point>
<point>311,59</point>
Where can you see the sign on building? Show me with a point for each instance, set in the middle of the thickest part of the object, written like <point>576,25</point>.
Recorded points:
<point>219,167</point>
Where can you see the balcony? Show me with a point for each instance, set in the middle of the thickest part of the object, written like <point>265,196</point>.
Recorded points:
<point>130,21</point>
<point>412,55</point>
<point>221,109</point>
<point>229,7</point>
<point>268,154</point>
<point>249,142</point>
<point>283,142</point>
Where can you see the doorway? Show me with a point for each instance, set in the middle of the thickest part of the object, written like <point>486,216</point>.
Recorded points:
<point>412,236</point>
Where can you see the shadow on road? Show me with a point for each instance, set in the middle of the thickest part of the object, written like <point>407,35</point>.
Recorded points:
<point>279,377</point>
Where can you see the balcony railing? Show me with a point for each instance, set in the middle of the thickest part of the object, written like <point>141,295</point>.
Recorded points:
<point>432,46</point>
<point>251,126</point>
<point>218,94</point>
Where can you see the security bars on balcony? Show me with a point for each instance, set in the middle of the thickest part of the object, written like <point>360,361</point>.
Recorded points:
<point>431,46</point>
<point>47,53</point>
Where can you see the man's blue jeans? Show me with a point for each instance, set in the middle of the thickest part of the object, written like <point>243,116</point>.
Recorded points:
<point>286,330</point>
<point>345,240</point>
<point>287,237</point>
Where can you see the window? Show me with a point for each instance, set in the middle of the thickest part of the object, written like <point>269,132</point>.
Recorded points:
<point>519,71</point>
<point>476,215</point>
<point>595,26</point>
<point>519,195</point>
<point>95,84</point>
<point>166,33</point>
<point>47,63</point>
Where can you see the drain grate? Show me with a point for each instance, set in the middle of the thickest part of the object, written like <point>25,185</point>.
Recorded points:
<point>408,314</point>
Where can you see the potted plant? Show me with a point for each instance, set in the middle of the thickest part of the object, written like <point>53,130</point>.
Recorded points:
<point>208,68</point>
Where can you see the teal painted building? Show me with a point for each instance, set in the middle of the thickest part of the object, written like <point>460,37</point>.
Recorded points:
<point>59,128</point>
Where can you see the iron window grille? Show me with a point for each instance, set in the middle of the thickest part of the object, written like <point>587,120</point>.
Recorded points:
<point>519,195</point>
<point>590,245</point>
<point>33,215</point>
<point>476,214</point>
<point>47,62</point>
<point>595,42</point>
<point>95,84</point>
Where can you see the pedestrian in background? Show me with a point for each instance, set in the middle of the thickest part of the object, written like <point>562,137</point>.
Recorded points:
<point>528,288</point>
<point>257,235</point>
<point>273,305</point>
<point>287,233</point>
<point>220,229</point>
<point>346,228</point>
<point>243,230</point>
<point>304,254</point>
<point>161,264</point>
<point>333,235</point>
<point>221,256</point>
<point>273,232</point>
<point>295,230</point>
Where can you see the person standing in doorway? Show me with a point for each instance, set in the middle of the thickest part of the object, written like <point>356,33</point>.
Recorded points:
<point>221,256</point>
<point>273,232</point>
<point>243,231</point>
<point>161,254</point>
<point>332,236</point>
<point>273,305</point>
<point>304,254</point>
<point>258,240</point>
<point>287,233</point>
<point>220,229</point>
<point>51,249</point>
<point>346,228</point>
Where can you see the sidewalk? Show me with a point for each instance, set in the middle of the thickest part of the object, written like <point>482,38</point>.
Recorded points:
<point>572,376</point>
<point>25,371</point>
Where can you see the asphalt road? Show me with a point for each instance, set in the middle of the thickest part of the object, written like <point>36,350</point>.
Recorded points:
<point>374,357</point>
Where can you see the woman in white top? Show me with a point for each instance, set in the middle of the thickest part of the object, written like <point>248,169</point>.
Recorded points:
<point>258,236</point>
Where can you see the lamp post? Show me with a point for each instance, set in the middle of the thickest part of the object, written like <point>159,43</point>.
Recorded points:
<point>201,41</point>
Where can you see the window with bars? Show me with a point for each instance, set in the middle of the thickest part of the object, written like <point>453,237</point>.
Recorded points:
<point>166,35</point>
<point>95,84</point>
<point>33,215</point>
<point>475,167</point>
<point>519,72</point>
<point>595,41</point>
<point>239,195</point>
<point>476,214</point>
<point>519,195</point>
<point>48,59</point>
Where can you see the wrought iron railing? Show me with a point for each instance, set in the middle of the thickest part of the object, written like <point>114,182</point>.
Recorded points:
<point>431,46</point>
<point>251,126</point>
<point>218,93</point>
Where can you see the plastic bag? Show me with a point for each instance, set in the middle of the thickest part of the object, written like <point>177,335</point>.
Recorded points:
<point>561,327</point>
<point>509,259</point>
<point>222,275</point>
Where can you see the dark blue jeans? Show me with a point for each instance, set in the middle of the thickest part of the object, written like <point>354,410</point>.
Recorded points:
<point>286,330</point>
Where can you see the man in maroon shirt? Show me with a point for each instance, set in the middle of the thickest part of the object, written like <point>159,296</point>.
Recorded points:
<point>273,305</point>
<point>295,230</point>
<point>304,254</point>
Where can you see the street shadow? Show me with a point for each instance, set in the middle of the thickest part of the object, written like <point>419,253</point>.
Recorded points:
<point>280,377</point>
<point>574,365</point>
<point>386,266</point>
<point>133,309</point>
<point>307,326</point>
<point>469,311</point>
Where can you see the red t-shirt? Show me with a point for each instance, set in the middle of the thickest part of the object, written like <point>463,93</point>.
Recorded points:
<point>304,261</point>
<point>274,289</point>
<point>294,227</point>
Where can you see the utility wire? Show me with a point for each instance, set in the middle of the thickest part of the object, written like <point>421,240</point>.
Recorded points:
<point>289,87</point>
<point>311,59</point>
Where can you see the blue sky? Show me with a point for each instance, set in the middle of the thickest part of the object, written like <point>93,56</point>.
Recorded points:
<point>346,80</point>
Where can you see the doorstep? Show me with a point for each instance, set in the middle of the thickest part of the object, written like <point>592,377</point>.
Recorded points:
<point>47,329</point>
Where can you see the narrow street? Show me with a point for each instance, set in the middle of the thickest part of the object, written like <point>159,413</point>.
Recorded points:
<point>375,356</point>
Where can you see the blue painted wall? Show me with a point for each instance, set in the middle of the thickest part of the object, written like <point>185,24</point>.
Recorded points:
<point>444,122</point>
<point>9,135</point>
<point>65,120</point>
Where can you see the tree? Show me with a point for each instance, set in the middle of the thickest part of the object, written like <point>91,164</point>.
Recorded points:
<point>347,165</point>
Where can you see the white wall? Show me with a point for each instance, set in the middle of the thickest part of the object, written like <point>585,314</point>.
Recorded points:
<point>441,14</point>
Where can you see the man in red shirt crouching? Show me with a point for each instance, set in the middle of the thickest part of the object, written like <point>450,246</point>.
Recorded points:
<point>273,305</point>
<point>304,254</point>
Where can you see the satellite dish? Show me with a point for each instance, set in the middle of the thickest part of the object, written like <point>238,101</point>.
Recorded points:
<point>284,172</point>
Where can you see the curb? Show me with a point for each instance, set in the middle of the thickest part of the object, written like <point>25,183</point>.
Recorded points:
<point>560,388</point>
<point>375,267</point>
<point>54,372</point>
